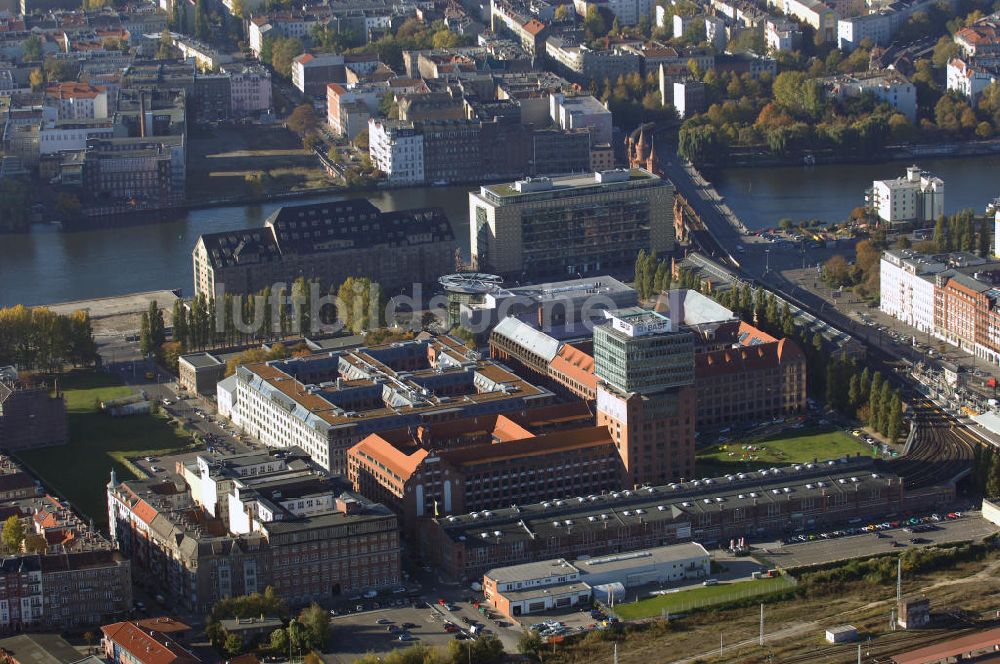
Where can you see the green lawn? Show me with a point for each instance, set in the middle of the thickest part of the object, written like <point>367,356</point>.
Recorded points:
<point>792,446</point>
<point>79,471</point>
<point>687,600</point>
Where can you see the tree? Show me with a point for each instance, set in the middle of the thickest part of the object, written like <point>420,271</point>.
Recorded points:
<point>530,644</point>
<point>279,641</point>
<point>67,204</point>
<point>361,140</point>
<point>166,49</point>
<point>202,29</point>
<point>283,51</point>
<point>12,534</point>
<point>562,13</point>
<point>302,120</point>
<point>36,79</point>
<point>992,481</point>
<point>233,645</point>
<point>32,47</point>
<point>238,8</point>
<point>35,543</point>
<point>316,623</point>
<point>854,391</point>
<point>593,23</point>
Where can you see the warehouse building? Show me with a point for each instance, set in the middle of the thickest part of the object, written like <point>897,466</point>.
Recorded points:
<point>518,590</point>
<point>766,503</point>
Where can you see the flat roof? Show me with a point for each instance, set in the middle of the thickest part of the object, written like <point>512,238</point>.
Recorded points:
<point>980,641</point>
<point>534,570</point>
<point>201,360</point>
<point>527,594</point>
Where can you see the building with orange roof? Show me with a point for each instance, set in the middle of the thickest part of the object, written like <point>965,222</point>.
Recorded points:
<point>512,18</point>
<point>981,38</point>
<point>328,402</point>
<point>483,463</point>
<point>78,101</point>
<point>128,643</point>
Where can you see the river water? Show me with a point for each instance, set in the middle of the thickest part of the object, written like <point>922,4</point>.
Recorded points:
<point>46,265</point>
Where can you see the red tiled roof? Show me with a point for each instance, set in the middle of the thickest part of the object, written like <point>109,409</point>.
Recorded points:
<point>534,26</point>
<point>147,647</point>
<point>575,364</point>
<point>980,641</point>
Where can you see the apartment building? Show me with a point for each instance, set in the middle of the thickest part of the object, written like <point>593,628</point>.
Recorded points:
<point>781,34</point>
<point>757,504</point>
<point>328,242</point>
<point>328,402</point>
<point>581,64</point>
<point>132,643</point>
<point>205,56</point>
<point>814,13</point>
<point>287,525</point>
<point>312,72</point>
<point>349,108</point>
<point>982,38</point>
<point>512,18</point>
<point>888,86</point>
<point>878,24</point>
<point>630,12</point>
<point>970,77</point>
<point>30,416</point>
<point>907,287</point>
<point>570,224</point>
<point>917,197</point>
<point>78,101</point>
<point>483,463</point>
<point>954,297</point>
<point>70,577</point>
<point>397,149</point>
<point>250,89</point>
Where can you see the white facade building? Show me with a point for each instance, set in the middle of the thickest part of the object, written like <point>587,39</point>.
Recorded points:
<point>907,287</point>
<point>397,149</point>
<point>969,78</point>
<point>581,111</point>
<point>781,34</point>
<point>888,86</point>
<point>250,89</point>
<point>917,197</point>
<point>61,136</point>
<point>77,101</point>
<point>811,12</point>
<point>629,12</point>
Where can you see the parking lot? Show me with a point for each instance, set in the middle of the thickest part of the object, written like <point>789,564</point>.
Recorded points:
<point>789,556</point>
<point>358,633</point>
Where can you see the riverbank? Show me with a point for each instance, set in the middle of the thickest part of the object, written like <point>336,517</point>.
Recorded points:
<point>889,153</point>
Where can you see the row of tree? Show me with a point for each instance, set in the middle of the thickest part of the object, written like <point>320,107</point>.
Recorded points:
<point>358,304</point>
<point>652,276</point>
<point>37,338</point>
<point>962,232</point>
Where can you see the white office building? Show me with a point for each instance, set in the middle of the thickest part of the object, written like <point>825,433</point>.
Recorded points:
<point>907,287</point>
<point>397,149</point>
<point>581,111</point>
<point>917,197</point>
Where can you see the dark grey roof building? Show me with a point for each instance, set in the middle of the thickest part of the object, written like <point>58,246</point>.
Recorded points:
<point>330,242</point>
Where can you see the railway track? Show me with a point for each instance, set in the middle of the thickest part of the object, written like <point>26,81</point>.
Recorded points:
<point>940,451</point>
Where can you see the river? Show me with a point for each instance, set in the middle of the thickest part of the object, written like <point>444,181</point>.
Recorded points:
<point>46,265</point>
